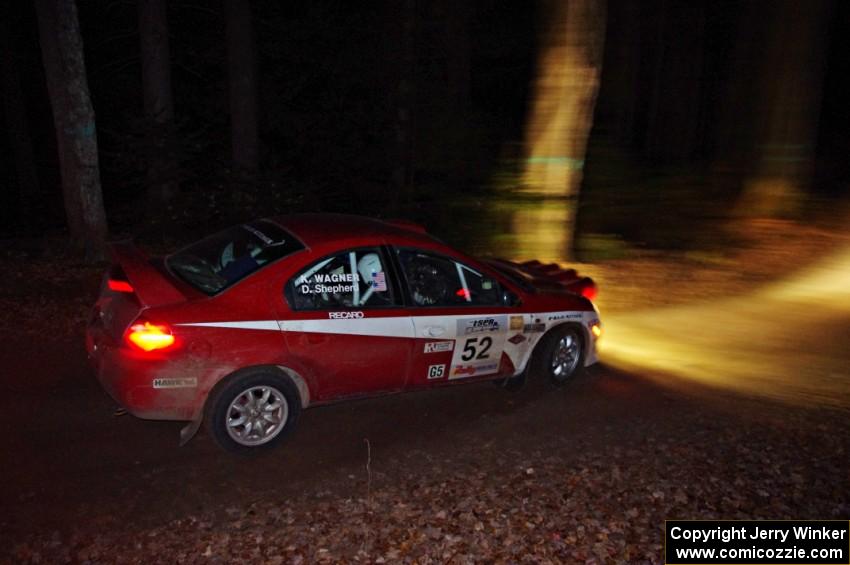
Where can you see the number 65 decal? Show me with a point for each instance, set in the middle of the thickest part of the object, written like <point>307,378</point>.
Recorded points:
<point>476,348</point>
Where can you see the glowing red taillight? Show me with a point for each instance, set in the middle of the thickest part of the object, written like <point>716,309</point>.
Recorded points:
<point>150,337</point>
<point>590,292</point>
<point>585,287</point>
<point>119,286</point>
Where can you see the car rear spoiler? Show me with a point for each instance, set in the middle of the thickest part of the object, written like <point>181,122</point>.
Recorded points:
<point>151,286</point>
<point>555,275</point>
<point>568,278</point>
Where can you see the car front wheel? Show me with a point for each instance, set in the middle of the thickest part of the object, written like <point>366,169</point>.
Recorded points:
<point>252,410</point>
<point>561,357</point>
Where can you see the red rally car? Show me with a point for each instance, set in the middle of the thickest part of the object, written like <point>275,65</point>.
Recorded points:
<point>244,329</point>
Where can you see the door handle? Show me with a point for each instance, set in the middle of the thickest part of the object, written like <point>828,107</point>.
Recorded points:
<point>435,331</point>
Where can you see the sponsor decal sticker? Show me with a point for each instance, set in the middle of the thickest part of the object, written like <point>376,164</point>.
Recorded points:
<point>439,346</point>
<point>517,339</point>
<point>516,322</point>
<point>571,316</point>
<point>481,325</point>
<point>436,371</point>
<point>183,382</point>
<point>534,328</point>
<point>461,371</point>
<point>345,315</point>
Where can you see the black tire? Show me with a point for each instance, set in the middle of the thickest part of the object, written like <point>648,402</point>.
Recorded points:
<point>270,407</point>
<point>560,356</point>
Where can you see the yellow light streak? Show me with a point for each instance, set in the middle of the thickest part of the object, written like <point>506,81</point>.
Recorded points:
<point>789,341</point>
<point>558,128</point>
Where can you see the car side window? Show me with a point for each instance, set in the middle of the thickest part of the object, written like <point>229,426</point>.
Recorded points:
<point>434,280</point>
<point>350,279</point>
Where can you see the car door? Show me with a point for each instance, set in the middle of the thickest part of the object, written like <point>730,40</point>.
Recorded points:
<point>345,328</point>
<point>460,320</point>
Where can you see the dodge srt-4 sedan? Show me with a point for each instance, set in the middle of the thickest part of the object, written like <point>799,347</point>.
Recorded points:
<point>246,328</point>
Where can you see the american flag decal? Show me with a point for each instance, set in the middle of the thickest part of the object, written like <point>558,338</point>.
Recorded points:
<point>379,282</point>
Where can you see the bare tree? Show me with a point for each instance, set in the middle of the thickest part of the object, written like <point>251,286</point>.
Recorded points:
<point>789,97</point>
<point>242,76</point>
<point>559,126</point>
<point>73,117</point>
<point>158,101</point>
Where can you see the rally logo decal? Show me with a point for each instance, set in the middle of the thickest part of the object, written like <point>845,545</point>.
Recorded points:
<point>482,325</point>
<point>564,316</point>
<point>471,370</point>
<point>345,315</point>
<point>439,346</point>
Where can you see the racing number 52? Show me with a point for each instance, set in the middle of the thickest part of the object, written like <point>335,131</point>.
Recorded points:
<point>475,349</point>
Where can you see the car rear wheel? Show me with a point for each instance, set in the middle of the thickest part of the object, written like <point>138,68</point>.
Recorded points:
<point>561,356</point>
<point>252,410</point>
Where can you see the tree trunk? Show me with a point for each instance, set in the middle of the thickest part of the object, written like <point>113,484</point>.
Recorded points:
<point>242,75</point>
<point>559,126</point>
<point>73,117</point>
<point>17,124</point>
<point>790,99</point>
<point>159,104</point>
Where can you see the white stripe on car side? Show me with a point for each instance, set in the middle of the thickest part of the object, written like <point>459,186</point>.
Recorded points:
<point>405,327</point>
<point>396,326</point>
<point>399,326</point>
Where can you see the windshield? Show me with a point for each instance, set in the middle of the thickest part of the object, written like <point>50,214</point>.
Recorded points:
<point>221,260</point>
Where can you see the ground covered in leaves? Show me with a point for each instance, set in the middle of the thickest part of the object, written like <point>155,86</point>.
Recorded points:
<point>601,498</point>
<point>507,489</point>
